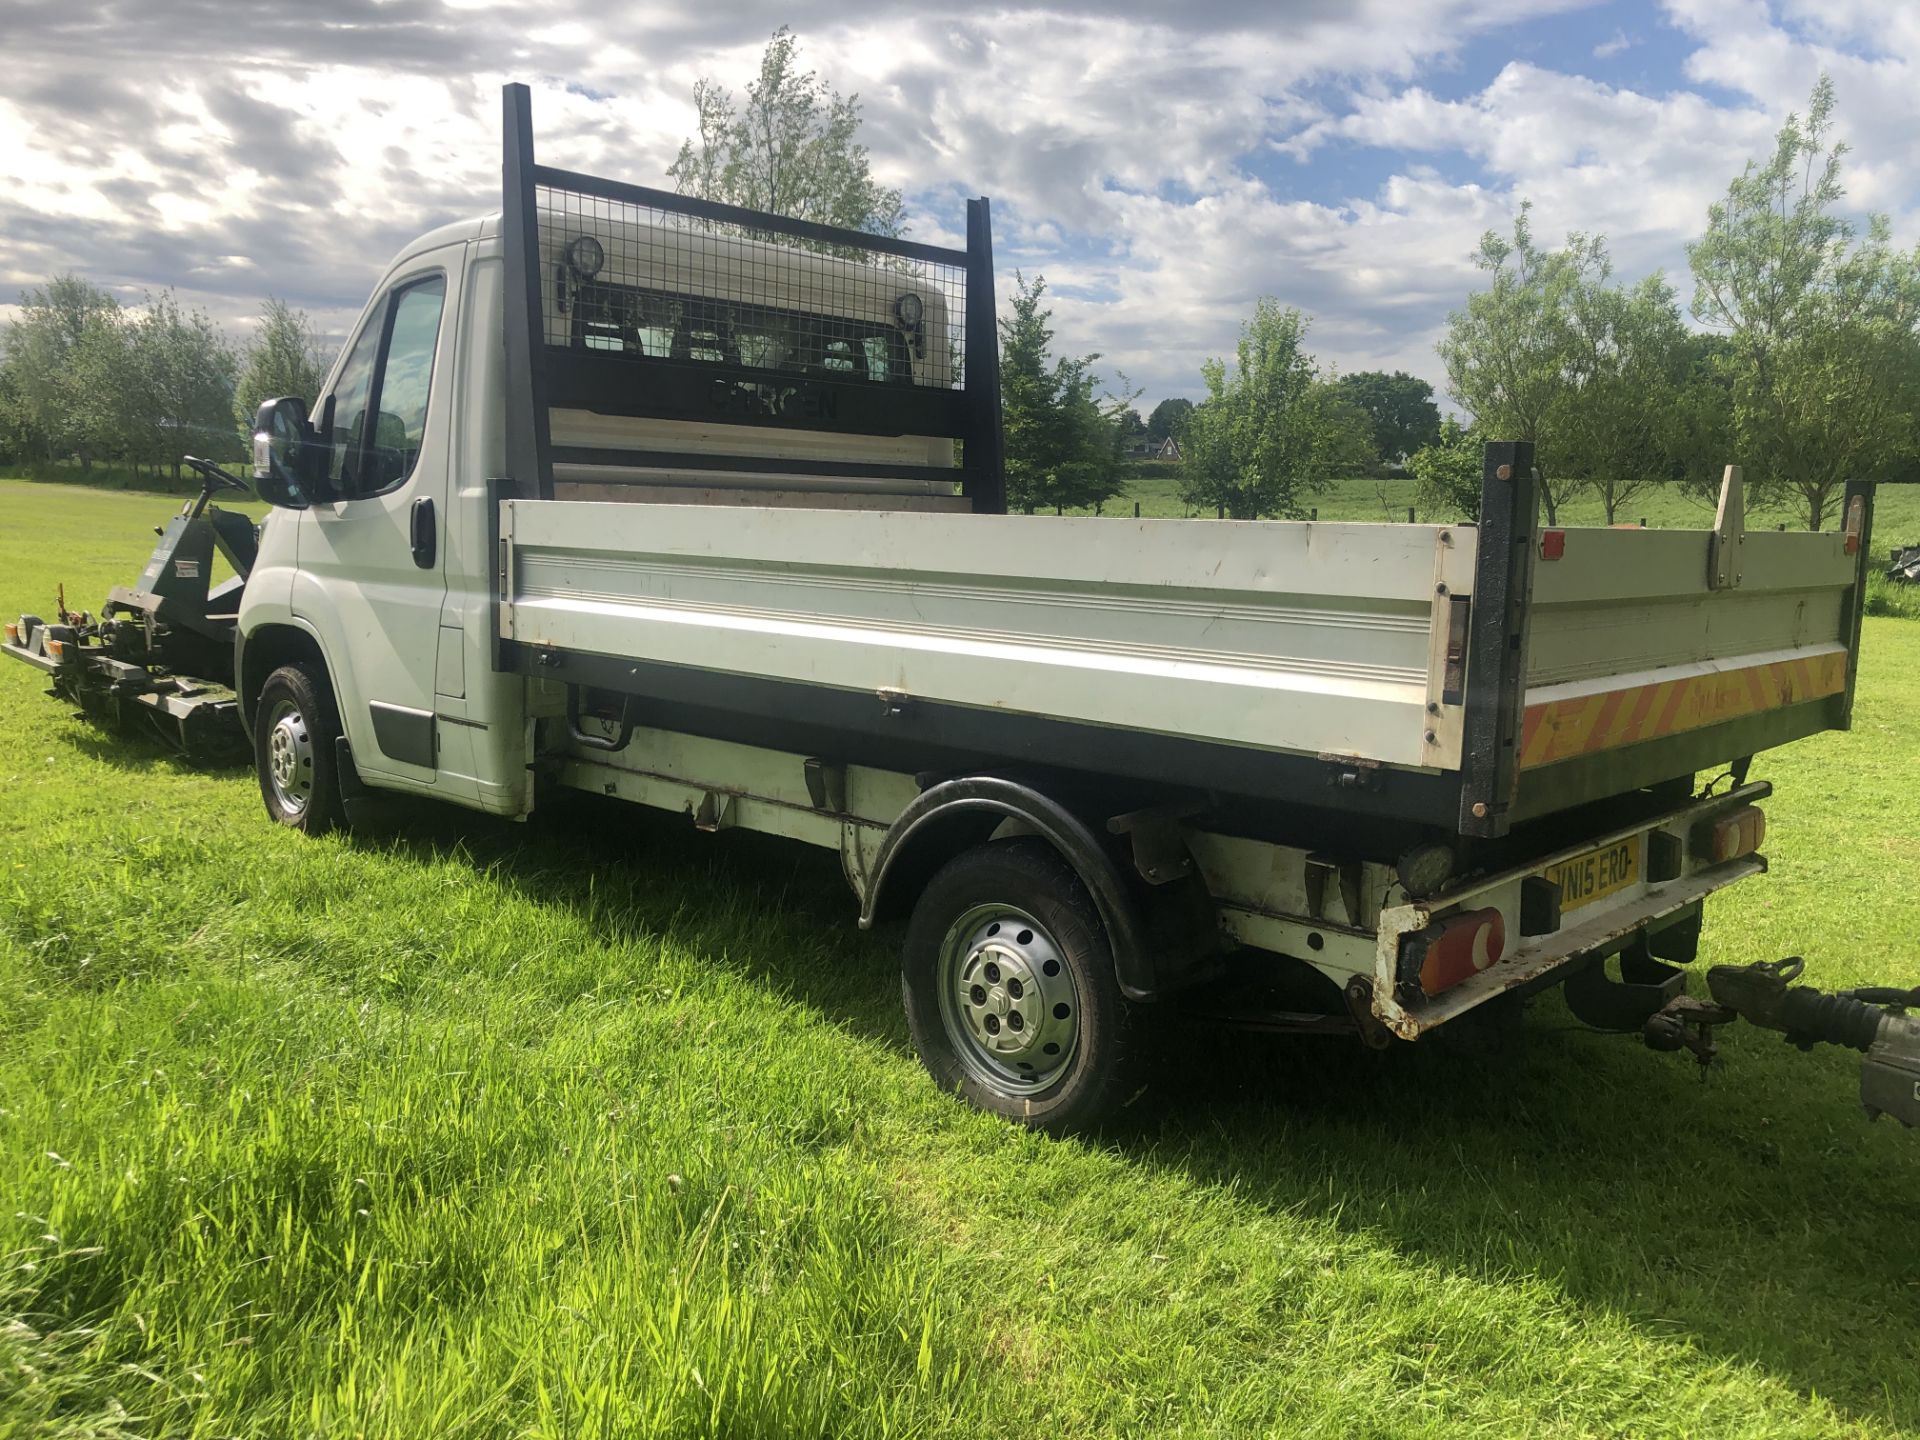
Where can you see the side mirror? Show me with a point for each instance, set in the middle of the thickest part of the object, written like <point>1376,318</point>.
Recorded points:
<point>289,462</point>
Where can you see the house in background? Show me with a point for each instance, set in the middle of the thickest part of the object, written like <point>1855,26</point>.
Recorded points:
<point>1142,448</point>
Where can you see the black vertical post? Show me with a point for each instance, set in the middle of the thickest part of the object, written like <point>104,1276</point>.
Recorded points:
<point>529,456</point>
<point>984,460</point>
<point>1863,491</point>
<point>1497,637</point>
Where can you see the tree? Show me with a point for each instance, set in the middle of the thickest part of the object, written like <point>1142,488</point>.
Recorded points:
<point>40,350</point>
<point>1063,446</point>
<point>15,438</point>
<point>107,391</point>
<point>1624,424</point>
<point>1271,431</point>
<point>1704,438</point>
<point>791,150</point>
<point>1399,407</point>
<point>182,393</point>
<point>1447,473</point>
<point>1555,353</point>
<point>1824,365</point>
<point>284,358</point>
<point>1169,418</point>
<point>1510,352</point>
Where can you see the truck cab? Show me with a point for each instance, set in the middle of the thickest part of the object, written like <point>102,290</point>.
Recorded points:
<point>385,581</point>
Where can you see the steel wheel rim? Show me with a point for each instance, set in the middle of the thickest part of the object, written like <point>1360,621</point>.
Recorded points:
<point>289,757</point>
<point>1008,1000</point>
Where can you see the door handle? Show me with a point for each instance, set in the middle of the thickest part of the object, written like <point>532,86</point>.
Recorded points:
<point>423,533</point>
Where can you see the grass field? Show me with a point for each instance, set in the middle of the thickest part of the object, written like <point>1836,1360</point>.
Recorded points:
<point>599,1127</point>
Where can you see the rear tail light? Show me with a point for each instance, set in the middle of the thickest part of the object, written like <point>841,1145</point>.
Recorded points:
<point>1736,833</point>
<point>1451,950</point>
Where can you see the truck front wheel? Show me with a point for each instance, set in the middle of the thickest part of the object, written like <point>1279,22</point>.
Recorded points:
<point>1010,989</point>
<point>294,728</point>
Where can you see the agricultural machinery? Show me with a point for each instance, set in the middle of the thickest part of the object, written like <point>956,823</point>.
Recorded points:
<point>159,656</point>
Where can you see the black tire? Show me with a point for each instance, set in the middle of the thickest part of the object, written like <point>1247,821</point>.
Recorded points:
<point>1056,974</point>
<point>303,793</point>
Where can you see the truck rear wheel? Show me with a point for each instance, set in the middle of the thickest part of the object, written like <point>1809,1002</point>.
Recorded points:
<point>294,729</point>
<point>1010,990</point>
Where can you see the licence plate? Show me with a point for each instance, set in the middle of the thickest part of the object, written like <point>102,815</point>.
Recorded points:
<point>1596,874</point>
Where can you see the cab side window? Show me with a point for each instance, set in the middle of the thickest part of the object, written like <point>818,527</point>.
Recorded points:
<point>380,404</point>
<point>350,408</point>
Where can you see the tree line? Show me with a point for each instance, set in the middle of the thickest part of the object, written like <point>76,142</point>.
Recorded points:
<point>84,377</point>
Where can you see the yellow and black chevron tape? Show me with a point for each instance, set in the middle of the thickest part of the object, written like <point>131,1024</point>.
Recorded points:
<point>1562,729</point>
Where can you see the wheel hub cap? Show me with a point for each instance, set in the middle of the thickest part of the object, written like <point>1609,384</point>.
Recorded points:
<point>290,758</point>
<point>1008,999</point>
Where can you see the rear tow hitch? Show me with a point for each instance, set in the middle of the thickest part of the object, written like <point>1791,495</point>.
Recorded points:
<point>1873,1020</point>
<point>1687,1023</point>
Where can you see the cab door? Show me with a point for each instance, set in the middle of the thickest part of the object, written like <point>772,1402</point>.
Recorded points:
<point>371,579</point>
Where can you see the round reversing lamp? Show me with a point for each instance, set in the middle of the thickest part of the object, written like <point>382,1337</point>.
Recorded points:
<point>909,307</point>
<point>585,256</point>
<point>1425,869</point>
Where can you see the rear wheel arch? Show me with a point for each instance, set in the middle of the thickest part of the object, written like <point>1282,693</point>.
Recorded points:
<point>954,816</point>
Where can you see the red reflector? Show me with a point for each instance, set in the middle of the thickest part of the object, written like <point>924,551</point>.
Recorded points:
<point>1454,949</point>
<point>1553,544</point>
<point>1737,833</point>
<point>1856,522</point>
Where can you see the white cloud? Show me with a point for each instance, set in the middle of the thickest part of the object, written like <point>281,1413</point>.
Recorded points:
<point>238,152</point>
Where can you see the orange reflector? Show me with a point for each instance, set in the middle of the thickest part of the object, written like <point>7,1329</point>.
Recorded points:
<point>57,649</point>
<point>13,633</point>
<point>1736,833</point>
<point>1455,949</point>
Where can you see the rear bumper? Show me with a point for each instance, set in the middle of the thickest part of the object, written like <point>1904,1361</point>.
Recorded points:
<point>1410,1014</point>
<point>38,661</point>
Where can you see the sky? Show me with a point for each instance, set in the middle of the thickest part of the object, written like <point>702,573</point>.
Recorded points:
<point>1162,166</point>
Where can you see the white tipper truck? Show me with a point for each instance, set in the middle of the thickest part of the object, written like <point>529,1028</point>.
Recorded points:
<point>703,509</point>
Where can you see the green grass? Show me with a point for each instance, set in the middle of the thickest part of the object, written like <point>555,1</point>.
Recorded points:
<point>103,476</point>
<point>598,1127</point>
<point>1887,597</point>
<point>1156,488</point>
